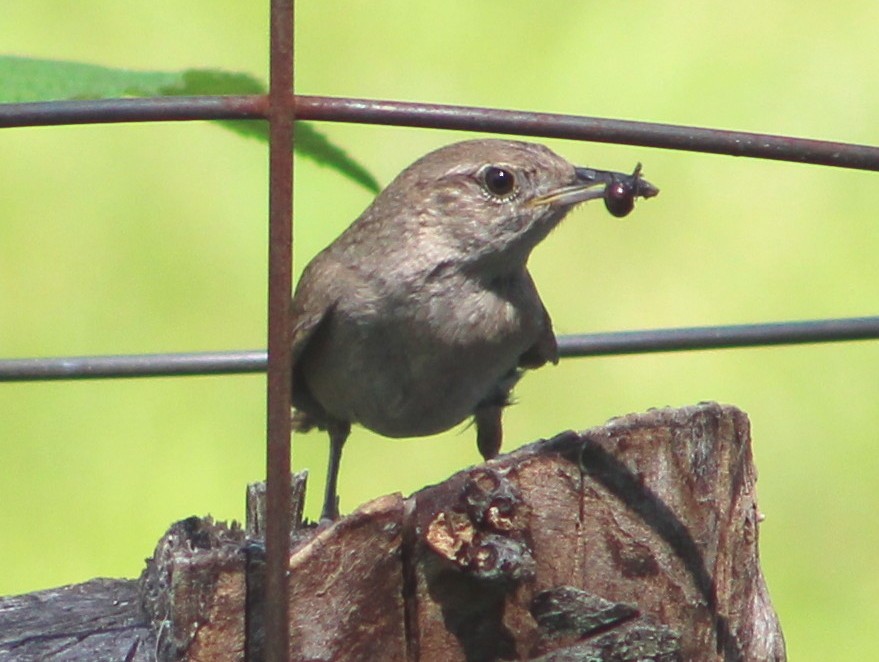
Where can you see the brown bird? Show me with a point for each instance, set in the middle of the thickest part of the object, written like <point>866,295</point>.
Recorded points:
<point>423,313</point>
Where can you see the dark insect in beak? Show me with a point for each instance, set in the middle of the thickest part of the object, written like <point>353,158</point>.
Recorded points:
<point>618,189</point>
<point>620,193</point>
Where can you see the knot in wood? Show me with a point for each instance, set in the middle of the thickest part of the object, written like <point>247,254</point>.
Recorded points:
<point>482,534</point>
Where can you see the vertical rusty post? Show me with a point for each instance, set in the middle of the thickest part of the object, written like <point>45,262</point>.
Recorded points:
<point>277,536</point>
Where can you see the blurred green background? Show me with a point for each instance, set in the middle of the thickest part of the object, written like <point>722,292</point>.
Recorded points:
<point>152,238</point>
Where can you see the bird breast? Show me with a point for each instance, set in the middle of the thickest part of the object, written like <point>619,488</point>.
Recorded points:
<point>414,363</point>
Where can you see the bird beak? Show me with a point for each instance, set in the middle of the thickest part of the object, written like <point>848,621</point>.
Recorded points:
<point>591,184</point>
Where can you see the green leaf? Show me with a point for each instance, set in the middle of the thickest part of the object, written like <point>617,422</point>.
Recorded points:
<point>26,79</point>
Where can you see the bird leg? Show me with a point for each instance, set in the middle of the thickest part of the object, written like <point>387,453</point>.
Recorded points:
<point>338,432</point>
<point>489,432</point>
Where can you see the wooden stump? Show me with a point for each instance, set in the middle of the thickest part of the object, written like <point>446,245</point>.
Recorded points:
<point>636,540</point>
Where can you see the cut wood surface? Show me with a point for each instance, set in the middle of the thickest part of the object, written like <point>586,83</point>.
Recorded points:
<point>636,540</point>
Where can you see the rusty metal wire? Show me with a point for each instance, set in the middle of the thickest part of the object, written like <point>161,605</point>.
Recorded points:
<point>278,514</point>
<point>549,125</point>
<point>448,117</point>
<point>114,111</point>
<point>438,116</point>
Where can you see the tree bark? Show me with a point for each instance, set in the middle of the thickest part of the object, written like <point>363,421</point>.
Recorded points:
<point>636,540</point>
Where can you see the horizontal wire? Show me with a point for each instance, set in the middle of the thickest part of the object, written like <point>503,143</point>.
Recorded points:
<point>134,365</point>
<point>719,337</point>
<point>153,109</point>
<point>577,127</point>
<point>460,118</point>
<point>570,346</point>
<point>440,116</point>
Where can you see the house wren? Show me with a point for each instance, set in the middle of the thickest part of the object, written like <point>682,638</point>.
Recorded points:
<point>423,313</point>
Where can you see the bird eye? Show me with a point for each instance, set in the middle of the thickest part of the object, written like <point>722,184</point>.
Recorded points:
<point>499,181</point>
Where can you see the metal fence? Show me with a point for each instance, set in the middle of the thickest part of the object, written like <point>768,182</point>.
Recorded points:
<point>280,107</point>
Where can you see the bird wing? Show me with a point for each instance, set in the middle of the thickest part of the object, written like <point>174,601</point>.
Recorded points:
<point>313,302</point>
<point>487,416</point>
<point>311,308</point>
<point>306,322</point>
<point>545,349</point>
